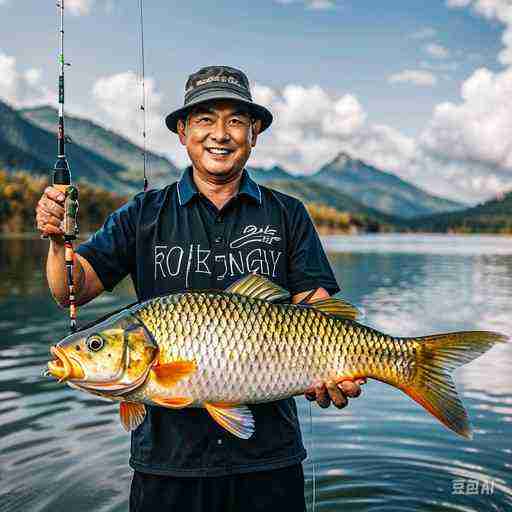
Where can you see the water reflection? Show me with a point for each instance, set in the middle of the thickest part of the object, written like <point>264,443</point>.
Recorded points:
<point>61,448</point>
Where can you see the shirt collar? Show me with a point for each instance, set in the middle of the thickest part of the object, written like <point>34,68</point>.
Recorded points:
<point>187,188</point>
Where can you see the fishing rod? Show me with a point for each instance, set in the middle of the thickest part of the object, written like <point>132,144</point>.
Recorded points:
<point>62,182</point>
<point>143,85</point>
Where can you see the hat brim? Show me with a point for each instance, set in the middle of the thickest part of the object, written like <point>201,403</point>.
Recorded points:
<point>258,111</point>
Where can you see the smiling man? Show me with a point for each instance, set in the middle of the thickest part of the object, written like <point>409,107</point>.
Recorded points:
<point>208,230</point>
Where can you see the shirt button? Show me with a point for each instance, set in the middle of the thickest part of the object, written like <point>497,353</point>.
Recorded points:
<point>219,219</point>
<point>218,239</point>
<point>219,441</point>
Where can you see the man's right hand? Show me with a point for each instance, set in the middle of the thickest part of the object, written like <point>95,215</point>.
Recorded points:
<point>50,214</point>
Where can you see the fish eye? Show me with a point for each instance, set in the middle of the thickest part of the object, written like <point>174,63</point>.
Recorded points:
<point>95,343</point>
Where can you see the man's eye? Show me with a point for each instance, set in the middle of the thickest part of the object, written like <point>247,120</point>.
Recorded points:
<point>205,119</point>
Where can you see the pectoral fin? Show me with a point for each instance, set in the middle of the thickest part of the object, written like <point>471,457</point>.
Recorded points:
<point>237,419</point>
<point>168,374</point>
<point>132,414</point>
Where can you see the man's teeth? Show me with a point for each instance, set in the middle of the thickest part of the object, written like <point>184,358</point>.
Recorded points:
<point>217,151</point>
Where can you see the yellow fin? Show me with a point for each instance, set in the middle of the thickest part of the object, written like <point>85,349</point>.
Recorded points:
<point>237,419</point>
<point>132,414</point>
<point>257,287</point>
<point>336,306</point>
<point>168,374</point>
<point>433,387</point>
<point>172,403</point>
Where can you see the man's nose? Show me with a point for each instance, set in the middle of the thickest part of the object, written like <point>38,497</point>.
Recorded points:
<point>219,132</point>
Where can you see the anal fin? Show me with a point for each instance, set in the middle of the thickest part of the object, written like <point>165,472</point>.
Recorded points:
<point>132,414</point>
<point>172,403</point>
<point>237,419</point>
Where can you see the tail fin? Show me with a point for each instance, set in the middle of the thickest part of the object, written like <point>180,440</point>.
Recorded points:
<point>433,386</point>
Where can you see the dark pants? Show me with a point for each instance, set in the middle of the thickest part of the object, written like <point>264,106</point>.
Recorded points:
<point>268,491</point>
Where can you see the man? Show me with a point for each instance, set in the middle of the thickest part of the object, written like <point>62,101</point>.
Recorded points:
<point>208,230</point>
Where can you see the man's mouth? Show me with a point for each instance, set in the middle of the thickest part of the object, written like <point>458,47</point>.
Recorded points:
<point>62,367</point>
<point>219,151</point>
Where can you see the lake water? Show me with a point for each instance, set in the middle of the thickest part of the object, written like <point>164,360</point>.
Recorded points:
<point>63,449</point>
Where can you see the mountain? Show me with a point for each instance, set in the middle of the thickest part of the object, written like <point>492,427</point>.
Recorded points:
<point>380,190</point>
<point>26,146</point>
<point>493,216</point>
<point>108,145</point>
<point>274,173</point>
<point>313,192</point>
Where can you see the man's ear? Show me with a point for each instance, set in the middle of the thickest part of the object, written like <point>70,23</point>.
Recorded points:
<point>182,132</point>
<point>256,127</point>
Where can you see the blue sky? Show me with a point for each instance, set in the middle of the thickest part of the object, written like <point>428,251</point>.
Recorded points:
<point>395,83</point>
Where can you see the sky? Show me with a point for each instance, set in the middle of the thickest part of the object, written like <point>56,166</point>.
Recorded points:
<point>419,88</point>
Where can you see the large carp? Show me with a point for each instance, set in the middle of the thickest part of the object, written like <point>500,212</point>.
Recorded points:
<point>225,350</point>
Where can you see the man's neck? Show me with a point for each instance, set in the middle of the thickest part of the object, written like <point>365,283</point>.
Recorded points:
<point>219,192</point>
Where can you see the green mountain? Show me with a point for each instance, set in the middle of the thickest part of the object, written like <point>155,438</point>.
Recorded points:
<point>380,190</point>
<point>493,216</point>
<point>110,146</point>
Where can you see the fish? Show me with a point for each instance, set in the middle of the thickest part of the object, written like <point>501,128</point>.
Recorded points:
<point>225,350</point>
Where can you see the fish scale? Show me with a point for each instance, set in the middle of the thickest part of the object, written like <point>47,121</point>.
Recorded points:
<point>262,358</point>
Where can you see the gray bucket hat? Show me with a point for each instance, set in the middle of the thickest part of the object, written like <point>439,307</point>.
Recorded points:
<point>218,83</point>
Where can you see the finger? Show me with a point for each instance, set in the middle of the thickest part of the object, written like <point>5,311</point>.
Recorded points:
<point>336,395</point>
<point>51,230</point>
<point>310,394</point>
<point>50,206</point>
<point>350,388</point>
<point>44,218</point>
<point>54,194</point>
<point>322,397</point>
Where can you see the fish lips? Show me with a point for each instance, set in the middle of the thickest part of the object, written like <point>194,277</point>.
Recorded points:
<point>63,367</point>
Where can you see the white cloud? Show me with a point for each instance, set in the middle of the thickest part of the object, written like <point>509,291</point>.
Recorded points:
<point>479,129</point>
<point>424,33</point>
<point>85,7</point>
<point>414,76</point>
<point>119,97</point>
<point>437,50</point>
<point>311,127</point>
<point>500,10</point>
<point>79,7</point>
<point>22,89</point>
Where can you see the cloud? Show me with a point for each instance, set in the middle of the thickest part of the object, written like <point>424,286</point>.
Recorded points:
<point>436,50</point>
<point>479,129</point>
<point>85,7</point>
<point>424,33</point>
<point>311,127</point>
<point>414,76</point>
<point>500,10</point>
<point>22,89</point>
<point>118,99</point>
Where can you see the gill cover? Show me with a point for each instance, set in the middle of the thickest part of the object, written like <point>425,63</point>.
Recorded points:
<point>115,354</point>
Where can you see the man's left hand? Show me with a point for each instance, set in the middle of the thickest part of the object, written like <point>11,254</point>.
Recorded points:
<point>337,393</point>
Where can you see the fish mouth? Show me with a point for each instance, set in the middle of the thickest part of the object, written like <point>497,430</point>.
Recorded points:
<point>62,367</point>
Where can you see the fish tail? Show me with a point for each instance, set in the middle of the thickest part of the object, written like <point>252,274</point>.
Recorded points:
<point>436,358</point>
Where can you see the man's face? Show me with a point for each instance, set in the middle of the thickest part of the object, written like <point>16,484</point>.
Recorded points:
<point>219,136</point>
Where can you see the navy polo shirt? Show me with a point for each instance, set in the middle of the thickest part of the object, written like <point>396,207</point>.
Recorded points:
<point>173,239</point>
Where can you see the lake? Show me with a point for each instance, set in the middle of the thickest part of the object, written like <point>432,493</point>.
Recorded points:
<point>63,449</point>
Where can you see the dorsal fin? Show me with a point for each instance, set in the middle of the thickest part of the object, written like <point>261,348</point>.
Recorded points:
<point>257,287</point>
<point>336,306</point>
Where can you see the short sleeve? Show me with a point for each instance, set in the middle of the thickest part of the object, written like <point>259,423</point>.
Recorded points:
<point>308,266</point>
<point>111,250</point>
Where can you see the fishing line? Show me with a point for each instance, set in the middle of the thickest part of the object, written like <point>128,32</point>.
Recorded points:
<point>312,448</point>
<point>143,105</point>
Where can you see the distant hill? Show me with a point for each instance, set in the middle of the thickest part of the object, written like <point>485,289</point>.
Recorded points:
<point>274,173</point>
<point>494,216</point>
<point>380,190</point>
<point>110,146</point>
